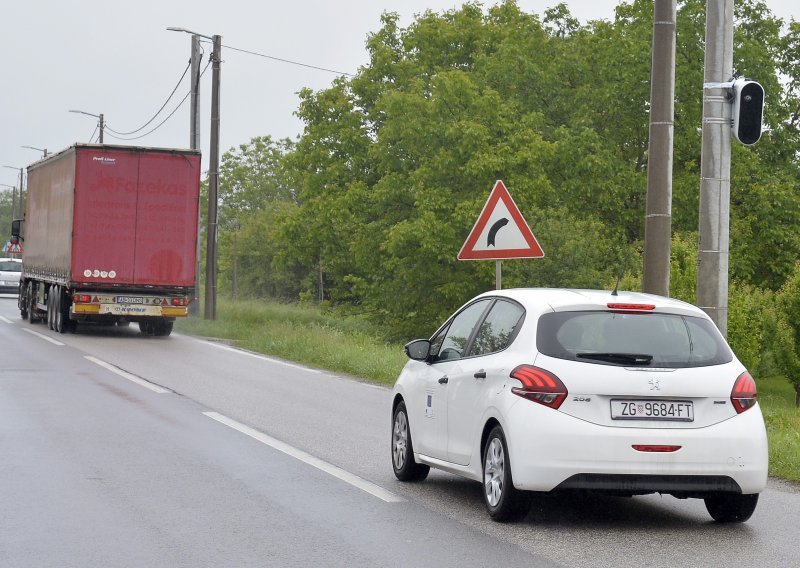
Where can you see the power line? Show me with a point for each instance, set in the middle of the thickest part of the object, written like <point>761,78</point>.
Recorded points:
<point>288,61</point>
<point>169,98</point>
<point>166,119</point>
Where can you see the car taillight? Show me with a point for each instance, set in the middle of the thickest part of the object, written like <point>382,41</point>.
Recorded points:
<point>631,307</point>
<point>655,448</point>
<point>744,393</point>
<point>539,386</point>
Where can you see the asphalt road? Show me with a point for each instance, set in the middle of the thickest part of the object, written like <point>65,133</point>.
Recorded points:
<point>123,450</point>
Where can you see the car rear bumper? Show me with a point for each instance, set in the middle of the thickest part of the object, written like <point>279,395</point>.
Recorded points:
<point>729,456</point>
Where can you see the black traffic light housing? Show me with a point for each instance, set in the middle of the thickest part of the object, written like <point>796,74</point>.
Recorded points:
<point>748,111</point>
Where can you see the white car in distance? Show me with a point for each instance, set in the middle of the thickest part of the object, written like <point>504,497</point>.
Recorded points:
<point>10,270</point>
<point>551,389</point>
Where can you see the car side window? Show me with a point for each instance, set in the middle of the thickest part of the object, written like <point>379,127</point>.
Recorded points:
<point>498,329</point>
<point>455,338</point>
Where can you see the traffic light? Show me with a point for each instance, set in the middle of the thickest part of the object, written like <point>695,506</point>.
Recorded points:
<point>748,111</point>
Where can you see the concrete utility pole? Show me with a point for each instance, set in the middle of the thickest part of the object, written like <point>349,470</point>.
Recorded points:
<point>194,144</point>
<point>213,186</point>
<point>715,165</point>
<point>658,219</point>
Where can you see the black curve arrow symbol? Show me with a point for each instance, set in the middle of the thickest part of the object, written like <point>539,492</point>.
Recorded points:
<point>493,231</point>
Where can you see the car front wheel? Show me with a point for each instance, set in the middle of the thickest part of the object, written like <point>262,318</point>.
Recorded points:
<point>731,508</point>
<point>504,501</point>
<point>405,468</point>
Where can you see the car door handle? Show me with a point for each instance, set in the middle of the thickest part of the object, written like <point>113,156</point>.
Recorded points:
<point>480,374</point>
<point>443,381</point>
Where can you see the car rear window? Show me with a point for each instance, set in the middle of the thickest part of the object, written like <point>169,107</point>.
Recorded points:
<point>10,266</point>
<point>631,339</point>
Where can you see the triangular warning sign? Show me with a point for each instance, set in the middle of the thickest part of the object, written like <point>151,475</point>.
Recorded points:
<point>500,231</point>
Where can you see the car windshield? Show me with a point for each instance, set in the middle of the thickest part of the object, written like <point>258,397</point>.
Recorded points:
<point>632,340</point>
<point>10,266</point>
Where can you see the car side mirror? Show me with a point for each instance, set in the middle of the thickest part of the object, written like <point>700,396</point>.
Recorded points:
<point>418,350</point>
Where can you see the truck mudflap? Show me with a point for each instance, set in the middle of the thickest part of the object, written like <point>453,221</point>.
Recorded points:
<point>130,305</point>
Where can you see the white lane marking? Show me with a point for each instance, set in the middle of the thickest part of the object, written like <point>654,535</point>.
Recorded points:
<point>43,336</point>
<point>6,320</point>
<point>322,465</point>
<point>126,375</point>
<point>262,357</point>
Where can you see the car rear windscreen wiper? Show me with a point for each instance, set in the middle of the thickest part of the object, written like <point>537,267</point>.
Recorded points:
<point>618,358</point>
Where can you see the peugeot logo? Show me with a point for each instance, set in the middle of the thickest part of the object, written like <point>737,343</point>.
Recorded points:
<point>654,384</point>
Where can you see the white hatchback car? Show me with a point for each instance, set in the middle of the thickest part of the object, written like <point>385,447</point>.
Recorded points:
<point>550,389</point>
<point>10,271</point>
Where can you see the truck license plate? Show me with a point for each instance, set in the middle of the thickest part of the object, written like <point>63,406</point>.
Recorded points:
<point>129,300</point>
<point>675,410</point>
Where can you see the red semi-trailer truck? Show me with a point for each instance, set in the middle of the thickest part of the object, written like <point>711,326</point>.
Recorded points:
<point>110,236</point>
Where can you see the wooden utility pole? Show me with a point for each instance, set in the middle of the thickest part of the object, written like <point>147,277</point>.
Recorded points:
<point>658,219</point>
<point>213,186</point>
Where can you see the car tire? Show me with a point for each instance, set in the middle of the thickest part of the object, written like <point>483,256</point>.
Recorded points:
<point>503,501</point>
<point>403,464</point>
<point>731,508</point>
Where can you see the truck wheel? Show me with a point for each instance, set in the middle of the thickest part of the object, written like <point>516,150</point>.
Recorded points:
<point>146,327</point>
<point>32,316</point>
<point>163,328</point>
<point>51,298</point>
<point>61,314</point>
<point>22,301</point>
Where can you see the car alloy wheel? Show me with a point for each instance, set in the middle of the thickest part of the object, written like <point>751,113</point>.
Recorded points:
<point>400,440</point>
<point>503,500</point>
<point>403,464</point>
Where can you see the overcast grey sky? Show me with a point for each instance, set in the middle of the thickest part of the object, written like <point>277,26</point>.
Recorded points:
<point>118,59</point>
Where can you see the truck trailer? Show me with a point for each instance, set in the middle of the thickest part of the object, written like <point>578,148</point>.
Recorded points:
<point>110,237</point>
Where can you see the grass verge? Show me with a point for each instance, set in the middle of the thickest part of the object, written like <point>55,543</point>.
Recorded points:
<point>304,335</point>
<point>353,347</point>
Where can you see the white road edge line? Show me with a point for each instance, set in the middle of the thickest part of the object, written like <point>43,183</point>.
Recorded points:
<point>43,336</point>
<point>262,357</point>
<point>6,320</point>
<point>322,465</point>
<point>125,375</point>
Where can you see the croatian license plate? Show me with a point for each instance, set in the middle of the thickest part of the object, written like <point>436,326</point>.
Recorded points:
<point>675,410</point>
<point>129,300</point>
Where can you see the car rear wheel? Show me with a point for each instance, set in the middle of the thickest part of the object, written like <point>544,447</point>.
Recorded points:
<point>504,501</point>
<point>405,468</point>
<point>731,508</point>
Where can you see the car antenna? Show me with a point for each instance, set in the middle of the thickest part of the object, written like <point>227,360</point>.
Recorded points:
<point>622,267</point>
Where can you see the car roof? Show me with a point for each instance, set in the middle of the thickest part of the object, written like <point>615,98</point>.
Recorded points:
<point>567,299</point>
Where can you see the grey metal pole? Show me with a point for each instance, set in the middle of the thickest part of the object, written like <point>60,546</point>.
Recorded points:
<point>213,187</point>
<point>102,127</point>
<point>194,144</point>
<point>715,166</point>
<point>498,274</point>
<point>658,217</point>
